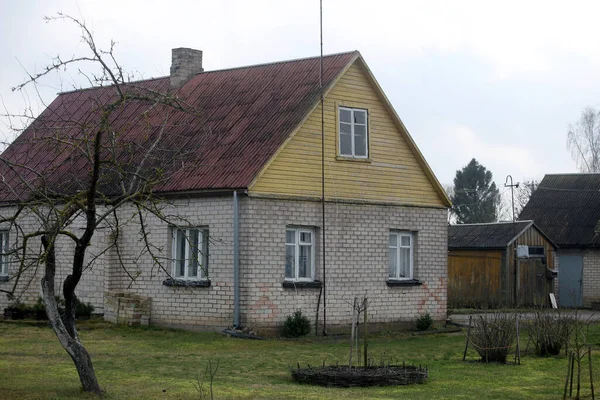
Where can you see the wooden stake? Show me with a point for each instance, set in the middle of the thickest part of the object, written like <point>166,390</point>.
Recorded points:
<point>365,332</point>
<point>317,315</point>
<point>578,377</point>
<point>572,367</point>
<point>518,353</point>
<point>468,336</point>
<point>591,374</point>
<point>568,374</point>
<point>352,333</point>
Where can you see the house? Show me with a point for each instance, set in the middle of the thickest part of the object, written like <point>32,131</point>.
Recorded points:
<point>498,264</point>
<point>250,199</point>
<point>567,208</point>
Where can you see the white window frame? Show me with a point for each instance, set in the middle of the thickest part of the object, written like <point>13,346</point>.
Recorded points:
<point>399,235</point>
<point>352,125</point>
<point>202,256</point>
<point>3,253</point>
<point>297,234</point>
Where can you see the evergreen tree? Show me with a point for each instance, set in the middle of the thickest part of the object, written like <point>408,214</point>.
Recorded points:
<point>475,195</point>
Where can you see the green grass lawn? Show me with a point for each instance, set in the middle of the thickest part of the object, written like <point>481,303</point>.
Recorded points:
<point>140,363</point>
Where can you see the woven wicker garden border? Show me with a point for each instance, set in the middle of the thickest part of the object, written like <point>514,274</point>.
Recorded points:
<point>343,376</point>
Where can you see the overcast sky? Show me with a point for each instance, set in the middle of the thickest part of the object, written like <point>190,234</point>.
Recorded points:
<point>498,81</point>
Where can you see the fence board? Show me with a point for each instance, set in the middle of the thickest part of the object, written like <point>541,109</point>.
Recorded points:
<point>474,279</point>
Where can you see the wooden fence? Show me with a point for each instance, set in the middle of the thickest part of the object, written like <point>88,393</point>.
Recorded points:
<point>484,279</point>
<point>474,279</point>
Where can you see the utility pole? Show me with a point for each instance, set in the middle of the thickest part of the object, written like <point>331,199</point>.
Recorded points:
<point>324,287</point>
<point>512,193</point>
<point>514,252</point>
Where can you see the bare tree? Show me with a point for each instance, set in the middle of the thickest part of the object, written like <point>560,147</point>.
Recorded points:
<point>523,194</point>
<point>583,140</point>
<point>449,189</point>
<point>504,207</point>
<point>95,170</point>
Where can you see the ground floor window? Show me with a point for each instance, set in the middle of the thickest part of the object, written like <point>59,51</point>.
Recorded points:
<point>401,249</point>
<point>3,253</point>
<point>190,253</point>
<point>299,254</point>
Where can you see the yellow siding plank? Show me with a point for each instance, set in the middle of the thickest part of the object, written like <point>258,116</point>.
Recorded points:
<point>393,174</point>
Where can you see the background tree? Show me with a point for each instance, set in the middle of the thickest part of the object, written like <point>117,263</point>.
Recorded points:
<point>523,194</point>
<point>108,172</point>
<point>583,140</point>
<point>504,207</point>
<point>475,196</point>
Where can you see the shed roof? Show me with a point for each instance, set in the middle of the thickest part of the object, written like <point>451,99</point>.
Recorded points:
<point>496,235</point>
<point>567,208</point>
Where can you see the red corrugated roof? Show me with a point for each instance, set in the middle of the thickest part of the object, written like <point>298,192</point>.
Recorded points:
<point>243,115</point>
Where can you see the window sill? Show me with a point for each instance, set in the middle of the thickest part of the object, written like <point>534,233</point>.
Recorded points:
<point>403,282</point>
<point>4,278</point>
<point>186,283</point>
<point>302,285</point>
<point>353,159</point>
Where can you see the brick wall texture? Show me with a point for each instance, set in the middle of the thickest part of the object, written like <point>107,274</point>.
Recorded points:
<point>356,263</point>
<point>591,277</point>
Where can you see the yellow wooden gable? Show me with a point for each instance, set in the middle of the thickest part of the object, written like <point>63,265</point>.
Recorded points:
<point>395,171</point>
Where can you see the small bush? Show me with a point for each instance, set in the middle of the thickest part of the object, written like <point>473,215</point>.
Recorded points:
<point>83,310</point>
<point>493,336</point>
<point>549,331</point>
<point>17,310</point>
<point>424,322</point>
<point>296,325</point>
<point>39,310</point>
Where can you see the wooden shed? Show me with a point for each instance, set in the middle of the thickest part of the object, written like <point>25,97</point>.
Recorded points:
<point>500,264</point>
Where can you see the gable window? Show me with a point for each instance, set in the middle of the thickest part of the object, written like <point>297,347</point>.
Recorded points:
<point>299,254</point>
<point>353,132</point>
<point>401,249</point>
<point>190,253</point>
<point>3,253</point>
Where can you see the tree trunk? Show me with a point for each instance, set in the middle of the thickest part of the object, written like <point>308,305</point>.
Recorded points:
<point>70,342</point>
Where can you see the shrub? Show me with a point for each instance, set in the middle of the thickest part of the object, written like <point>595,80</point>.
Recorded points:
<point>39,310</point>
<point>83,310</point>
<point>493,336</point>
<point>296,325</point>
<point>424,322</point>
<point>17,310</point>
<point>549,330</point>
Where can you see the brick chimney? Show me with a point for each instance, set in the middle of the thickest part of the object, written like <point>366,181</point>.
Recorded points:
<point>185,63</point>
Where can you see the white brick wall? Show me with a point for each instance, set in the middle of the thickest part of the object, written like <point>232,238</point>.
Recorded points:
<point>357,259</point>
<point>591,277</point>
<point>210,307</point>
<point>90,288</point>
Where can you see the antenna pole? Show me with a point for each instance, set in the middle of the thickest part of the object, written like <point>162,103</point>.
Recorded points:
<point>323,168</point>
<point>514,255</point>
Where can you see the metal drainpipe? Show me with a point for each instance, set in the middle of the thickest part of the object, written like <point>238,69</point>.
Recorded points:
<point>236,261</point>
